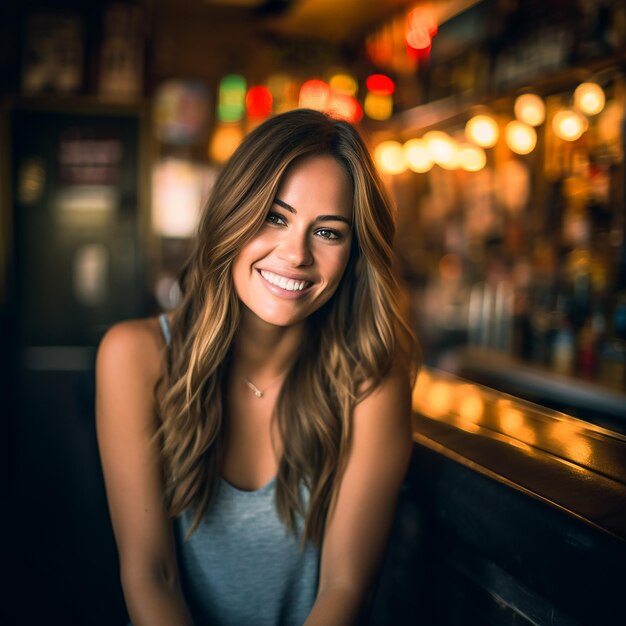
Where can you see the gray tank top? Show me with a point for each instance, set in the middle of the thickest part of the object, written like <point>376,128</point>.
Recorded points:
<point>241,566</point>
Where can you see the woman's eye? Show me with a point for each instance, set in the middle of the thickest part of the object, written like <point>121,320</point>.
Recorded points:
<point>275,218</point>
<point>327,233</point>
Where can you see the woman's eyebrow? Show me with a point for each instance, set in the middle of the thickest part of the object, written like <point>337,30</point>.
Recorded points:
<point>319,218</point>
<point>283,204</point>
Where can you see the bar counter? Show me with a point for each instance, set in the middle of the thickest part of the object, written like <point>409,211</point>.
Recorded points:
<point>587,399</point>
<point>511,514</point>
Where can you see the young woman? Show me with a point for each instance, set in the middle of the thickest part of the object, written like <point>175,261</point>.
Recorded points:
<point>254,440</point>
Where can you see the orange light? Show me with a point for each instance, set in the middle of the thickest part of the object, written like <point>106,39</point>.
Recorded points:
<point>529,108</point>
<point>472,158</point>
<point>482,130</point>
<point>225,141</point>
<point>417,155</point>
<point>569,125</point>
<point>421,27</point>
<point>589,98</point>
<point>258,102</point>
<point>345,108</point>
<point>442,148</point>
<point>314,94</point>
<point>380,85</point>
<point>390,158</point>
<point>520,137</point>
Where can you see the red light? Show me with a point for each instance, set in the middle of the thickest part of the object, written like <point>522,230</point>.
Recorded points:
<point>258,102</point>
<point>418,54</point>
<point>380,84</point>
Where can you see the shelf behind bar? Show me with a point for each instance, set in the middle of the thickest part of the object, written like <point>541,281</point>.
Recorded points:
<point>574,466</point>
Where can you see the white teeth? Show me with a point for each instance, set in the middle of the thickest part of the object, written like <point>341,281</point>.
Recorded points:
<point>289,284</point>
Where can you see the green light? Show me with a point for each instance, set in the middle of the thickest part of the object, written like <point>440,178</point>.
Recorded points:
<point>231,105</point>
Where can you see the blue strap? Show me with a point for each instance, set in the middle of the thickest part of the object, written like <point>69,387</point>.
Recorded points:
<point>165,327</point>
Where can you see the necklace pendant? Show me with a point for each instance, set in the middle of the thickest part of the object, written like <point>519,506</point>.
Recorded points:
<point>253,388</point>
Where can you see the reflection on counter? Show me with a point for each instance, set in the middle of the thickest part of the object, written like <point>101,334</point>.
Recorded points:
<point>484,411</point>
<point>513,513</point>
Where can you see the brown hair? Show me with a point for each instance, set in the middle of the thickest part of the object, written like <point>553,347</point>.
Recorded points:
<point>349,346</point>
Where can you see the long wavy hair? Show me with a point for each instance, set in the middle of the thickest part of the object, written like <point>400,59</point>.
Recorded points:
<point>351,342</point>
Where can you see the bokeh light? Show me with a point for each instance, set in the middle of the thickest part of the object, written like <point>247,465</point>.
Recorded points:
<point>530,108</point>
<point>521,138</point>
<point>442,148</point>
<point>589,98</point>
<point>482,130</point>
<point>569,125</point>
<point>417,155</point>
<point>471,158</point>
<point>389,157</point>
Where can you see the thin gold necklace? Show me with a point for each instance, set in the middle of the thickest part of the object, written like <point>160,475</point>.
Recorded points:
<point>259,393</point>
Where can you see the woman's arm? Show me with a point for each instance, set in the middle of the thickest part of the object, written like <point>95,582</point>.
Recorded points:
<point>127,367</point>
<point>358,526</point>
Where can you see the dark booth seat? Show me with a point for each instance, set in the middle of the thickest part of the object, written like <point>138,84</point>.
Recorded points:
<point>510,514</point>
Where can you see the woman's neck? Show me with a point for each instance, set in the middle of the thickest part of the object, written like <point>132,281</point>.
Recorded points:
<point>263,350</point>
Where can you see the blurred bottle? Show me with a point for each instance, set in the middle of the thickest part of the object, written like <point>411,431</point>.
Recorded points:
<point>563,347</point>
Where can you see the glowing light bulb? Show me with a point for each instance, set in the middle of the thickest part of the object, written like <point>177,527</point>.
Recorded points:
<point>421,26</point>
<point>529,108</point>
<point>569,125</point>
<point>380,84</point>
<point>344,84</point>
<point>389,156</point>
<point>417,155</point>
<point>472,158</point>
<point>442,148</point>
<point>225,141</point>
<point>345,108</point>
<point>258,102</point>
<point>482,130</point>
<point>314,94</point>
<point>232,98</point>
<point>589,98</point>
<point>520,137</point>
<point>378,107</point>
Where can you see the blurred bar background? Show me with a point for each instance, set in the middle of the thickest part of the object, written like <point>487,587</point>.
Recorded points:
<point>499,127</point>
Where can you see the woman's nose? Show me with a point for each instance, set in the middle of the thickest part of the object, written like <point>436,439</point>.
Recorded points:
<point>295,249</point>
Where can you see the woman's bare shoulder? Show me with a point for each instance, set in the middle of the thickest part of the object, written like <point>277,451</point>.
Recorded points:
<point>134,344</point>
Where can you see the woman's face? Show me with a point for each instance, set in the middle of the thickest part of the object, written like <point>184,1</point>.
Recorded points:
<point>293,265</point>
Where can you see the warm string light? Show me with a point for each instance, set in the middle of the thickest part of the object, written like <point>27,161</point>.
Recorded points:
<point>471,158</point>
<point>442,148</point>
<point>520,138</point>
<point>589,98</point>
<point>569,124</point>
<point>337,97</point>
<point>417,155</point>
<point>390,157</point>
<point>482,130</point>
<point>530,109</point>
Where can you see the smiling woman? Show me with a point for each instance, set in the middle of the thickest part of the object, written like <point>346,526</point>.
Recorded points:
<point>246,435</point>
<point>298,256</point>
